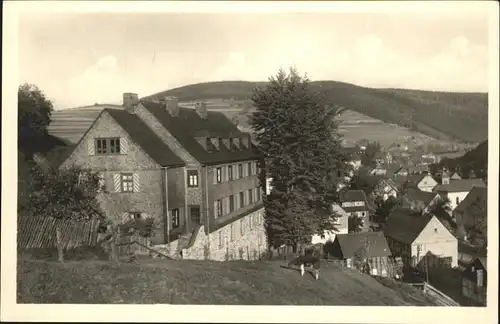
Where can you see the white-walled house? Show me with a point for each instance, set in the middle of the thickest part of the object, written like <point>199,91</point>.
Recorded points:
<point>341,225</point>
<point>423,182</point>
<point>416,237</point>
<point>457,190</point>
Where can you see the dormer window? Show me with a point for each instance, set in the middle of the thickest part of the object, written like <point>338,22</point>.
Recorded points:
<point>210,146</point>
<point>235,143</point>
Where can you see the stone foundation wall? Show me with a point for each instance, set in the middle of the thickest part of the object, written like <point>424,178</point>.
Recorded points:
<point>247,242</point>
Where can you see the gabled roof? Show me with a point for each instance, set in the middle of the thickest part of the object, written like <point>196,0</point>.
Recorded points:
<point>417,195</point>
<point>188,125</point>
<point>353,243</point>
<point>476,200</point>
<point>456,176</point>
<point>144,137</point>
<point>405,226</point>
<point>460,185</point>
<point>414,179</point>
<point>353,195</point>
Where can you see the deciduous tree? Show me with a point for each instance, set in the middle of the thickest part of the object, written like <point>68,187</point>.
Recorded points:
<point>34,112</point>
<point>296,130</point>
<point>64,194</point>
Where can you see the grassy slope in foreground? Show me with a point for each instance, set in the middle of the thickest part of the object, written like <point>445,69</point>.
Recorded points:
<point>462,116</point>
<point>201,282</point>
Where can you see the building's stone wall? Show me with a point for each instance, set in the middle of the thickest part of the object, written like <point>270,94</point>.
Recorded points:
<point>220,246</point>
<point>149,200</point>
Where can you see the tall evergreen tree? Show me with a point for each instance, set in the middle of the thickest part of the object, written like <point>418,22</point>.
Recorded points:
<point>296,130</point>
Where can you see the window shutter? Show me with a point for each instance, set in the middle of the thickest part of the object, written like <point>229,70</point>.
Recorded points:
<point>215,209</point>
<point>225,173</point>
<point>124,217</point>
<point>137,182</point>
<point>123,145</point>
<point>116,180</point>
<point>236,202</point>
<point>91,146</point>
<point>102,182</point>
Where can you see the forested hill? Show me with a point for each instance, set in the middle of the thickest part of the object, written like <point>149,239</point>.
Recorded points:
<point>444,115</point>
<point>475,160</point>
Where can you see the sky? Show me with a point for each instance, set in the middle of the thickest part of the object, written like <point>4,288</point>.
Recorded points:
<point>80,59</point>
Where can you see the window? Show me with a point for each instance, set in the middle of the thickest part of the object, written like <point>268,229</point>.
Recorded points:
<point>219,174</point>
<point>458,201</point>
<point>230,172</point>
<point>257,193</point>
<point>221,240</point>
<point>135,215</point>
<point>127,182</point>
<point>176,219</point>
<point>195,215</point>
<point>249,167</point>
<point>232,232</point>
<point>240,171</point>
<point>218,209</point>
<point>250,196</point>
<point>480,277</point>
<point>107,146</point>
<point>192,178</point>
<point>242,199</point>
<point>231,203</point>
<point>242,228</point>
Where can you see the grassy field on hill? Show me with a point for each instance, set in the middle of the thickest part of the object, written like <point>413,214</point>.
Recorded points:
<point>201,282</point>
<point>442,115</point>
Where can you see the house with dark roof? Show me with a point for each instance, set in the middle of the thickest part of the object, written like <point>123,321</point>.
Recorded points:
<point>475,281</point>
<point>371,247</point>
<point>422,201</point>
<point>471,211</point>
<point>420,240</point>
<point>423,182</point>
<point>385,188</point>
<point>457,190</point>
<point>355,203</point>
<point>191,170</point>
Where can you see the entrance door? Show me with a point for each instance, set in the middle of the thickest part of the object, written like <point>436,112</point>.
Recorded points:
<point>195,215</point>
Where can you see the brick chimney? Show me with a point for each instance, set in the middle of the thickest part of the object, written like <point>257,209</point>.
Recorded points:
<point>130,100</point>
<point>172,105</point>
<point>201,110</point>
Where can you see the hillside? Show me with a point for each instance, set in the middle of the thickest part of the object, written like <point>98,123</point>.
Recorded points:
<point>443,115</point>
<point>202,282</point>
<point>475,160</point>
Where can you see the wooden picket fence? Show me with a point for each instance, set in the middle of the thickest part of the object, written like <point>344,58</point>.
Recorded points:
<point>34,232</point>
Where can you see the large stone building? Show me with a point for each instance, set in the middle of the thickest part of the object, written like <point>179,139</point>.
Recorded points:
<point>191,170</point>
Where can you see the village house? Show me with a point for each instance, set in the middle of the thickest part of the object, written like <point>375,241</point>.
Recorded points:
<point>354,202</point>
<point>470,211</point>
<point>416,237</point>
<point>455,176</point>
<point>422,182</point>
<point>457,190</point>
<point>474,282</point>
<point>378,171</point>
<point>356,247</point>
<point>385,188</point>
<point>382,157</point>
<point>341,226</point>
<point>422,201</point>
<point>190,170</point>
